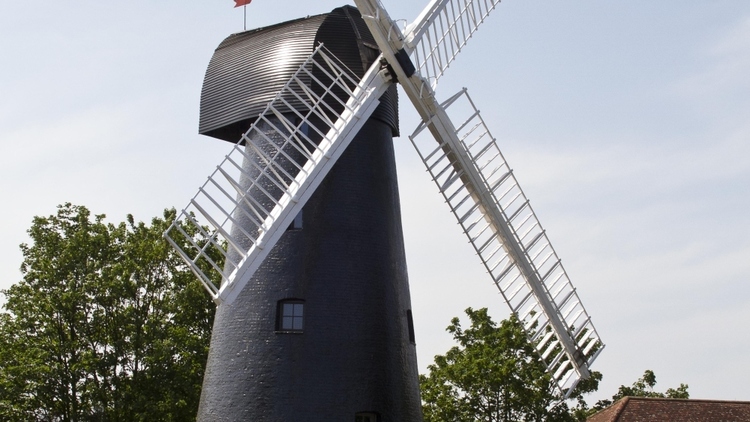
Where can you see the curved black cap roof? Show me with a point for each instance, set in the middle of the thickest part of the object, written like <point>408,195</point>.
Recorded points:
<point>249,68</point>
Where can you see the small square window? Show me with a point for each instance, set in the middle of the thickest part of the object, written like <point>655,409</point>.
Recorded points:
<point>291,315</point>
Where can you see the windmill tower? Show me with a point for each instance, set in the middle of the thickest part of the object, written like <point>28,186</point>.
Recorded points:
<point>314,318</point>
<point>323,327</point>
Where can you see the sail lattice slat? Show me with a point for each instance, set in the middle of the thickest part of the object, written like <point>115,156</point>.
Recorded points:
<point>441,31</point>
<point>516,250</point>
<point>255,193</point>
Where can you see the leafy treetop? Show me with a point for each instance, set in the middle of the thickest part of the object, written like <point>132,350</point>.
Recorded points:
<point>106,324</point>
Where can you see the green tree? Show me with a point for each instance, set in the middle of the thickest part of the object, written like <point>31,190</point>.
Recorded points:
<point>107,324</point>
<point>494,374</point>
<point>643,387</point>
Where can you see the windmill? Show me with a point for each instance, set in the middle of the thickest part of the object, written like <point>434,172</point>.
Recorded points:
<point>313,159</point>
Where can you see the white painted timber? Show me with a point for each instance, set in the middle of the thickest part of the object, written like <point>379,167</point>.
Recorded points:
<point>290,151</point>
<point>441,31</point>
<point>483,194</point>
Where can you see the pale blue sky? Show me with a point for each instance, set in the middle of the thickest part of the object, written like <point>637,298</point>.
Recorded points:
<point>628,125</point>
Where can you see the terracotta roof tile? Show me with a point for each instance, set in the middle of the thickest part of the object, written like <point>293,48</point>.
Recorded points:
<point>646,409</point>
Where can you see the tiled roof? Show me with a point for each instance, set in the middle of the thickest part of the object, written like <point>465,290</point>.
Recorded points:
<point>646,409</point>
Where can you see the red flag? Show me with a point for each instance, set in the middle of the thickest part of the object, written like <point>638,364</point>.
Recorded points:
<point>238,3</point>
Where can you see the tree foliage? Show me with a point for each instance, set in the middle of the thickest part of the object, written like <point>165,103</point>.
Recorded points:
<point>644,387</point>
<point>107,324</point>
<point>494,374</point>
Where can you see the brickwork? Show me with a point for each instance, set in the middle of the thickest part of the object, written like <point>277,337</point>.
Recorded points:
<point>348,265</point>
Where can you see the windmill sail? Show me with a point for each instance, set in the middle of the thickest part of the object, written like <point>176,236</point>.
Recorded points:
<point>481,190</point>
<point>494,213</point>
<point>441,31</point>
<point>330,106</point>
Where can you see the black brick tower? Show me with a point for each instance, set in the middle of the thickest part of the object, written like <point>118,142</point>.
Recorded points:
<point>322,332</point>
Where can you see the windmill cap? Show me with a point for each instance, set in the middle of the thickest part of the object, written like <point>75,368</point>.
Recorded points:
<point>249,68</point>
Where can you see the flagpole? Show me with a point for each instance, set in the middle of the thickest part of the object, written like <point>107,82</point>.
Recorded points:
<point>244,22</point>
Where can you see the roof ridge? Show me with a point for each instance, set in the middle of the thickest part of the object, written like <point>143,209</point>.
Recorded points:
<point>619,411</point>
<point>688,399</point>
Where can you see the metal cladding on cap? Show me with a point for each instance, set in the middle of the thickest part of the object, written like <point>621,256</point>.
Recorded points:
<point>249,68</point>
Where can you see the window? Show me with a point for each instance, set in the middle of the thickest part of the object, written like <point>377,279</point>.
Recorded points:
<point>366,417</point>
<point>290,315</point>
<point>296,223</point>
<point>410,321</point>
